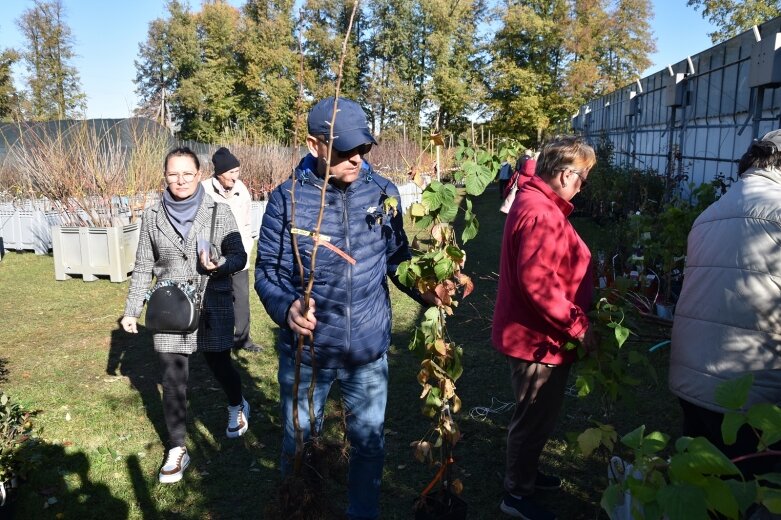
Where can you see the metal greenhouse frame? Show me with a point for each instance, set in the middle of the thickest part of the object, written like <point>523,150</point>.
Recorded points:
<point>694,119</point>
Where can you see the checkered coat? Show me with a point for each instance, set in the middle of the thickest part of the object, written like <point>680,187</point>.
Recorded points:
<point>163,254</point>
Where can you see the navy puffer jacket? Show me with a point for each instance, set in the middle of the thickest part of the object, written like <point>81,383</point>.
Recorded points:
<point>352,304</point>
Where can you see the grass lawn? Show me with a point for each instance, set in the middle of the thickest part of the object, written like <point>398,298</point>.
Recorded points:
<point>61,352</point>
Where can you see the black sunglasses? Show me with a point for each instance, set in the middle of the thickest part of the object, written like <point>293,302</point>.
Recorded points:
<point>360,150</point>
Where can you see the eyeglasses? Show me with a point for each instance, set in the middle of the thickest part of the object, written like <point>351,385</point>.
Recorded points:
<point>187,177</point>
<point>579,173</point>
<point>360,150</point>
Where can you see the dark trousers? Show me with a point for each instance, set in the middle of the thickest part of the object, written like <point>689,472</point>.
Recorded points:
<point>176,370</point>
<point>539,393</point>
<point>240,283</point>
<point>701,422</point>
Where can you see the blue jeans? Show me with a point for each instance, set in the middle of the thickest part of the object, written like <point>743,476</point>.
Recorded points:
<point>364,395</point>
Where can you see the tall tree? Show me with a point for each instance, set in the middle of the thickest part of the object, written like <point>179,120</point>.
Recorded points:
<point>325,25</point>
<point>568,51</point>
<point>169,56</point>
<point>528,65</point>
<point>54,89</point>
<point>269,66</point>
<point>732,17</point>
<point>155,75</point>
<point>9,98</point>
<point>210,96</point>
<point>395,69</point>
<point>452,63</point>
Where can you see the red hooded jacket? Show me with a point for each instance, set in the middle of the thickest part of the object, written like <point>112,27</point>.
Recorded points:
<point>545,285</point>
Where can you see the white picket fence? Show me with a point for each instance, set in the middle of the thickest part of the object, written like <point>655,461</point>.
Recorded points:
<point>410,193</point>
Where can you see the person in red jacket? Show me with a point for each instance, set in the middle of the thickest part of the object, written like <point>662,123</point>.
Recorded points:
<point>525,171</point>
<point>545,290</point>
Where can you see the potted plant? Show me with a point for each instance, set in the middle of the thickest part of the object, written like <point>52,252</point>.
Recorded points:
<point>98,177</point>
<point>660,242</point>
<point>437,265</point>
<point>16,428</point>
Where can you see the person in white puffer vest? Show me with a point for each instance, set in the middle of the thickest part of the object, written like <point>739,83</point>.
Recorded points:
<point>728,318</point>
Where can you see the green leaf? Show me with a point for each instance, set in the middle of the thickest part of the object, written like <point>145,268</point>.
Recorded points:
<point>634,439</point>
<point>444,269</point>
<point>430,197</point>
<point>701,458</point>
<point>767,418</point>
<point>683,502</point>
<point>682,443</point>
<point>745,493</point>
<point>622,333</point>
<point>773,478</point>
<point>432,314</point>
<point>448,211</point>
<point>476,181</point>
<point>733,394</point>
<point>730,426</point>
<point>613,495</point>
<point>424,222</point>
<point>771,499</point>
<point>434,398</point>
<point>402,272</point>
<point>456,368</point>
<point>471,227</point>
<point>584,385</point>
<point>719,497</point>
<point>654,442</point>
<point>455,253</point>
<point>589,440</point>
<point>418,343</point>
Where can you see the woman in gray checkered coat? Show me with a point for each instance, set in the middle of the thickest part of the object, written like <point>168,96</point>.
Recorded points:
<point>168,250</point>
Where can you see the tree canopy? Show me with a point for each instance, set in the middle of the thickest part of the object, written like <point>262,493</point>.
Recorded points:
<point>521,66</point>
<point>53,85</point>
<point>731,17</point>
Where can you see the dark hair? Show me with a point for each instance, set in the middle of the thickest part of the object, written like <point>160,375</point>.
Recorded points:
<point>560,152</point>
<point>182,151</point>
<point>761,154</point>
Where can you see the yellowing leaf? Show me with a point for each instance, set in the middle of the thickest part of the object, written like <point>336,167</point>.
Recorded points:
<point>417,209</point>
<point>440,232</point>
<point>441,347</point>
<point>589,440</point>
<point>457,486</point>
<point>448,388</point>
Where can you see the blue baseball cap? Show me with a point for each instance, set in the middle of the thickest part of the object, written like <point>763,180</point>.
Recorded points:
<point>350,128</point>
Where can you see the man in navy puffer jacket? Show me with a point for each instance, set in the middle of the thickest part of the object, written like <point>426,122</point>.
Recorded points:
<point>350,313</point>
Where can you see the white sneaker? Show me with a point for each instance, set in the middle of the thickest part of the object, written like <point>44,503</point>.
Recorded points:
<point>238,419</point>
<point>175,464</point>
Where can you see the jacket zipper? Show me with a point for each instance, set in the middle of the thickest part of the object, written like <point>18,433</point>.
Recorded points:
<point>348,310</point>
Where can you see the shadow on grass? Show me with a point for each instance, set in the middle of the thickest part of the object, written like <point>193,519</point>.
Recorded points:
<point>227,478</point>
<point>3,370</point>
<point>60,487</point>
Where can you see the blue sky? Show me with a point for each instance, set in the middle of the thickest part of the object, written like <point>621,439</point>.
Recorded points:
<point>107,34</point>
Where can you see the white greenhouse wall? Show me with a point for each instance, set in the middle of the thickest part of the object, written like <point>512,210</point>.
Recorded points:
<point>703,116</point>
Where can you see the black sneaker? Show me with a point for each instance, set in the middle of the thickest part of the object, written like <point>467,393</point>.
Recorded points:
<point>545,482</point>
<point>524,508</point>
